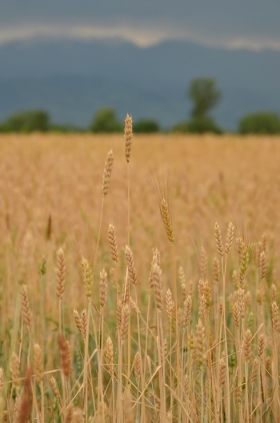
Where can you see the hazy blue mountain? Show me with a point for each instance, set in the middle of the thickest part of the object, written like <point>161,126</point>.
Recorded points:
<point>74,99</point>
<point>73,79</point>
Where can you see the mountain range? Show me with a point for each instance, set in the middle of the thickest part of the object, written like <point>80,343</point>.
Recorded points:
<point>73,79</point>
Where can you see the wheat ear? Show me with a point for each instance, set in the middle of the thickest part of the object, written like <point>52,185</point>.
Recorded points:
<point>107,172</point>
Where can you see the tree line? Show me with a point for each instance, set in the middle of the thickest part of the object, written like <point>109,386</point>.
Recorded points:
<point>203,93</point>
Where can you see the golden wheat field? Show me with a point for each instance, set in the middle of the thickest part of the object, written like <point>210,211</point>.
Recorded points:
<point>139,284</point>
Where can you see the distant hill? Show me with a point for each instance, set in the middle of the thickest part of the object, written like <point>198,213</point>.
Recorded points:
<point>73,79</point>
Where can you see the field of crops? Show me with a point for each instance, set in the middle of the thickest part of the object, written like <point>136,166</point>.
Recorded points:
<point>142,284</point>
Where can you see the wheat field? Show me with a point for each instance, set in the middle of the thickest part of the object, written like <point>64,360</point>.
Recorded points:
<point>139,278</point>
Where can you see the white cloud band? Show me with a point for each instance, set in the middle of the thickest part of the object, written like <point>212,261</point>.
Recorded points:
<point>142,36</point>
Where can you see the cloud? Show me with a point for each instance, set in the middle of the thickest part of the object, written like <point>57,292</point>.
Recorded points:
<point>140,34</point>
<point>141,37</point>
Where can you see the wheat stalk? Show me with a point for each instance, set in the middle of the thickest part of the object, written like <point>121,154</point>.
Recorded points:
<point>107,172</point>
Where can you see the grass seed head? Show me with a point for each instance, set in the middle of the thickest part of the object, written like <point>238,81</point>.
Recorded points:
<point>275,317</point>
<point>130,265</point>
<point>113,244</point>
<point>26,313</point>
<point>219,241</point>
<point>87,277</point>
<point>192,341</point>
<point>202,306</point>
<point>263,265</point>
<point>103,288</point>
<point>125,320</point>
<point>187,311</point>
<point>229,239</point>
<point>38,363</point>
<point>247,345</point>
<point>119,314</point>
<point>238,394</point>
<point>170,306</point>
<point>60,273</point>
<point>107,172</point>
<point>268,365</point>
<point>54,387</point>
<point>14,369</point>
<point>81,322</point>
<point>125,289</point>
<point>203,264</point>
<point>128,137</point>
<point>156,257</point>
<point>137,366</point>
<point>244,260</point>
<point>109,356</point>
<point>65,357</point>
<point>206,291</point>
<point>222,372</point>
<point>166,218</point>
<point>261,346</point>
<point>236,314</point>
<point>241,302</point>
<point>183,292</point>
<point>156,285</point>
<point>84,323</point>
<point>134,306</point>
<point>216,270</point>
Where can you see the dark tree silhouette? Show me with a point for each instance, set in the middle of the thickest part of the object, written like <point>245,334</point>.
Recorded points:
<point>205,95</point>
<point>147,126</point>
<point>260,123</point>
<point>105,120</point>
<point>28,121</point>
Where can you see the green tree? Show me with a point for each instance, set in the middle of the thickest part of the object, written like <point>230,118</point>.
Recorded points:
<point>28,121</point>
<point>205,95</point>
<point>147,126</point>
<point>260,123</point>
<point>105,120</point>
<point>202,125</point>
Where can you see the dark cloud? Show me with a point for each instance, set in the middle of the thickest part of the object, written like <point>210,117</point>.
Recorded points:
<point>205,21</point>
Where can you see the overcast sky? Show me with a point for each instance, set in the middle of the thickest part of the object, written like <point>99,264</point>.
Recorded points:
<point>252,24</point>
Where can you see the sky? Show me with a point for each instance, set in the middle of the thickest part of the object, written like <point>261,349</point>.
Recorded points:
<point>230,24</point>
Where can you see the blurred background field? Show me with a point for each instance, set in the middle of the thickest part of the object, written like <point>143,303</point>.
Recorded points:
<point>56,180</point>
<point>51,192</point>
